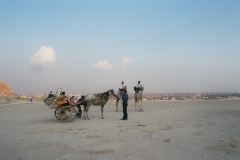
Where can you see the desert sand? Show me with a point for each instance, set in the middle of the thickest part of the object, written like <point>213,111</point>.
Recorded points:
<point>166,130</point>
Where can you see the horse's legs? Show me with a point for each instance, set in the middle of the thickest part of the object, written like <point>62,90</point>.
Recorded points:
<point>102,106</point>
<point>87,113</point>
<point>85,107</point>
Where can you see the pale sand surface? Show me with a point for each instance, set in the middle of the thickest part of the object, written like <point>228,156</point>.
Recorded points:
<point>175,130</point>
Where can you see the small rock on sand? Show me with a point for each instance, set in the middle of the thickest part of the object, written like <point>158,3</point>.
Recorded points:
<point>167,140</point>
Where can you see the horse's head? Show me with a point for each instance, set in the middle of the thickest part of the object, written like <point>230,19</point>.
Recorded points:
<point>111,92</point>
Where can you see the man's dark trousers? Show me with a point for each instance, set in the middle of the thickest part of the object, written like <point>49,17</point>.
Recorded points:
<point>125,114</point>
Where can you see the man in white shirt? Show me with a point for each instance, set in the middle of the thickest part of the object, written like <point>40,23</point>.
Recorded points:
<point>138,85</point>
<point>121,86</point>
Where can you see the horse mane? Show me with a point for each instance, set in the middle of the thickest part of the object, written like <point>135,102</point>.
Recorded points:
<point>105,95</point>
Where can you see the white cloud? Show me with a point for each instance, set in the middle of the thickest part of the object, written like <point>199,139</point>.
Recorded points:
<point>104,65</point>
<point>126,61</point>
<point>45,57</point>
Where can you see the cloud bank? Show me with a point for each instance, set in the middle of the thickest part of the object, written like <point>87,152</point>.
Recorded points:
<point>126,61</point>
<point>45,57</point>
<point>104,65</point>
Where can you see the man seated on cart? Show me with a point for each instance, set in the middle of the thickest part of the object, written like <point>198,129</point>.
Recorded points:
<point>50,95</point>
<point>72,99</point>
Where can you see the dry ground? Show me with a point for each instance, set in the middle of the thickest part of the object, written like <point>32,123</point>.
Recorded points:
<point>171,130</point>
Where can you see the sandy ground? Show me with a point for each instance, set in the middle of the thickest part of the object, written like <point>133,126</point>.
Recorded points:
<point>174,130</point>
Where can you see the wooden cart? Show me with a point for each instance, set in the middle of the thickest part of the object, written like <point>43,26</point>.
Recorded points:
<point>63,111</point>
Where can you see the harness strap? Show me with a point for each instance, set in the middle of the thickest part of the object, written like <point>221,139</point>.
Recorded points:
<point>104,96</point>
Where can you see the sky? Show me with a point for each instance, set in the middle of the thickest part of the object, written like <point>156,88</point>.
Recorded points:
<point>90,46</point>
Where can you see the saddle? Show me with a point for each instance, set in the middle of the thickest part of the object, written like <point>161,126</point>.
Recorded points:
<point>103,96</point>
<point>137,89</point>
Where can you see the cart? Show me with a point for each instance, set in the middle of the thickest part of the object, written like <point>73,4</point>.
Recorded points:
<point>63,111</point>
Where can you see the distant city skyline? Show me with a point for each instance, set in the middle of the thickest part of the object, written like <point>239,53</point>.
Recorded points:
<point>161,96</point>
<point>91,46</point>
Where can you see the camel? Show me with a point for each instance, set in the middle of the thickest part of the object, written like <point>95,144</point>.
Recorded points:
<point>119,98</point>
<point>138,96</point>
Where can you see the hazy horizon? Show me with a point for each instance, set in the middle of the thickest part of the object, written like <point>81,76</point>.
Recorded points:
<point>91,46</point>
<point>53,91</point>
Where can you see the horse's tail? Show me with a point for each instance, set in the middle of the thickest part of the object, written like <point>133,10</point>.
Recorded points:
<point>82,100</point>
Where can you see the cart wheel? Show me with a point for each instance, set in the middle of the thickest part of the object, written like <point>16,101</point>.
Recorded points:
<point>67,114</point>
<point>75,109</point>
<point>58,114</point>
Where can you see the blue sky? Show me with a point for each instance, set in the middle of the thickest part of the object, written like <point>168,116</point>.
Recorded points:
<point>90,46</point>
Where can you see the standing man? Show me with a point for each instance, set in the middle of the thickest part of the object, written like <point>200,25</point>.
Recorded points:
<point>125,104</point>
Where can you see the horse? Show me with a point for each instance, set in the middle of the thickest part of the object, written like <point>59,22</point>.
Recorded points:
<point>97,100</point>
<point>138,97</point>
<point>119,98</point>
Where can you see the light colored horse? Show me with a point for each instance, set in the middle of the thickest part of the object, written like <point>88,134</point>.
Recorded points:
<point>138,97</point>
<point>119,98</point>
<point>97,100</point>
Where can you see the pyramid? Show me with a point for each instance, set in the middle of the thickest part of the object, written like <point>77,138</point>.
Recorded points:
<point>5,90</point>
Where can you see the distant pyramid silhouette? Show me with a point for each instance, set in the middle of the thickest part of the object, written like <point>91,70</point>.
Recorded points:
<point>5,90</point>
